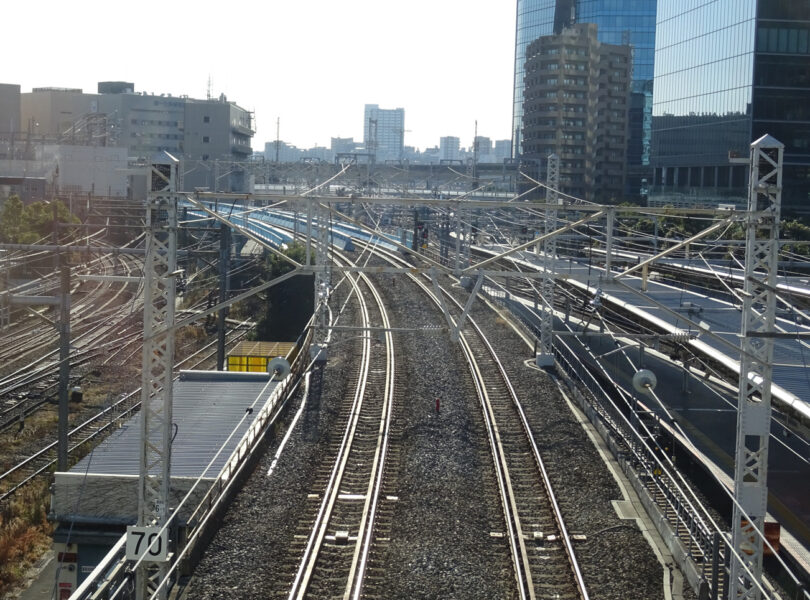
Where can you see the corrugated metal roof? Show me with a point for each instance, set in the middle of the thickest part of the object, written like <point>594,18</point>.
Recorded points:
<point>268,349</point>
<point>207,407</point>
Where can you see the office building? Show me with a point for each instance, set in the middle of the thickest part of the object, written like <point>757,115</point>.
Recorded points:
<point>502,150</point>
<point>9,110</point>
<point>482,146</point>
<point>282,152</point>
<point>214,131</point>
<point>726,73</point>
<point>449,148</point>
<point>384,132</point>
<point>576,101</point>
<point>342,145</point>
<point>197,131</point>
<point>620,23</point>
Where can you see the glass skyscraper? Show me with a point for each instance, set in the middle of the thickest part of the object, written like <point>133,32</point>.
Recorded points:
<point>619,22</point>
<point>726,73</point>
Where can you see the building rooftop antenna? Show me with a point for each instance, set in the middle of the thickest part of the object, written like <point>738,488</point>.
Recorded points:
<point>208,88</point>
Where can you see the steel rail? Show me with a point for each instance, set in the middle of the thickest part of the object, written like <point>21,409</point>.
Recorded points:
<point>517,544</point>
<point>520,554</point>
<point>557,513</point>
<point>315,540</point>
<point>366,530</point>
<point>558,516</point>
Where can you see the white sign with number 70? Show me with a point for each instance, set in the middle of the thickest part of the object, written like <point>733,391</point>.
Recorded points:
<point>148,543</point>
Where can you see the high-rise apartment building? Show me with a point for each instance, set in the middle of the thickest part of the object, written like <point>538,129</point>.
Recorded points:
<point>384,132</point>
<point>576,101</point>
<point>726,73</point>
<point>620,23</point>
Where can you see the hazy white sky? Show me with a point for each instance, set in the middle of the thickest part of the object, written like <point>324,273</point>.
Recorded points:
<point>313,63</point>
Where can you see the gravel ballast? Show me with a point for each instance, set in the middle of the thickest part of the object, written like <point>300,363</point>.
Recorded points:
<point>442,512</point>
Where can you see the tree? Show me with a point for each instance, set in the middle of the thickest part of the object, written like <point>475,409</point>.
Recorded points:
<point>12,227</point>
<point>39,217</point>
<point>288,306</point>
<point>20,224</point>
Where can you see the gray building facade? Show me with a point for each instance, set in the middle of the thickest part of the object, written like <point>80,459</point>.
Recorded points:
<point>204,133</point>
<point>620,22</point>
<point>9,110</point>
<point>384,132</point>
<point>449,148</point>
<point>726,73</point>
<point>576,105</point>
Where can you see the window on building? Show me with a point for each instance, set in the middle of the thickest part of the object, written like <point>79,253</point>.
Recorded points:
<point>206,119</point>
<point>206,139</point>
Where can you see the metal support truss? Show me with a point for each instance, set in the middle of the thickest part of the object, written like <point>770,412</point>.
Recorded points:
<point>609,222</point>
<point>322,271</point>
<point>455,331</point>
<point>158,357</point>
<point>756,365</point>
<point>5,309</point>
<point>546,354</point>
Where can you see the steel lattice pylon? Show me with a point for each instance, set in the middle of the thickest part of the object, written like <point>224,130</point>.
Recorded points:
<point>158,358</point>
<point>323,274</point>
<point>756,364</point>
<point>546,356</point>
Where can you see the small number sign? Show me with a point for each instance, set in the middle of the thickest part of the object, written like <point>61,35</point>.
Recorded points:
<point>148,543</point>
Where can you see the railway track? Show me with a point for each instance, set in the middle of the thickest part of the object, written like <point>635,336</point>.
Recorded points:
<point>92,429</point>
<point>103,316</point>
<point>95,307</point>
<point>542,550</point>
<point>334,553</point>
<point>519,528</point>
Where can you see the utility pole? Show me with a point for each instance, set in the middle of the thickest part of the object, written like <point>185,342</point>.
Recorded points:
<point>416,231</point>
<point>64,364</point>
<point>756,367</point>
<point>63,326</point>
<point>5,309</point>
<point>278,138</point>
<point>372,140</point>
<point>224,268</point>
<point>610,220</point>
<point>322,276</point>
<point>546,356</point>
<point>475,158</point>
<point>458,240</point>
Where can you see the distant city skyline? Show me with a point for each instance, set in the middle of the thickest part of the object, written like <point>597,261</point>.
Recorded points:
<point>314,65</point>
